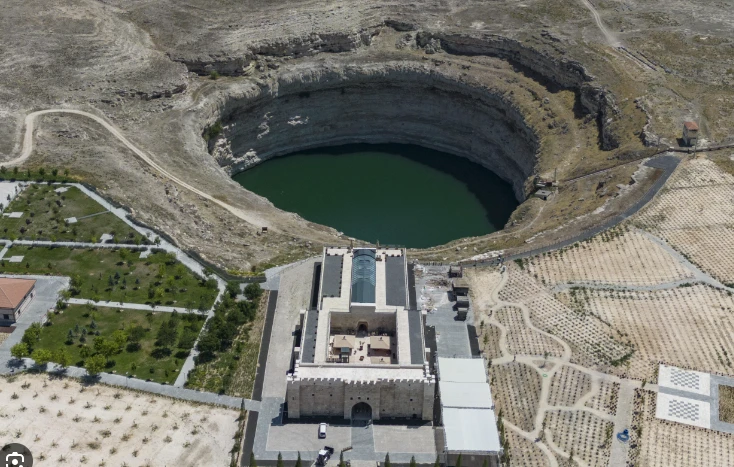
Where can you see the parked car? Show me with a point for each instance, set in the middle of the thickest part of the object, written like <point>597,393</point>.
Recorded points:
<point>324,455</point>
<point>322,430</point>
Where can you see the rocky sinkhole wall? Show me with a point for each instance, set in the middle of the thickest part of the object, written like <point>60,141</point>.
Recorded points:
<point>376,103</point>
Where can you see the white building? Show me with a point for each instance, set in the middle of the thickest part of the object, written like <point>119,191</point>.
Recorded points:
<point>467,412</point>
<point>362,352</point>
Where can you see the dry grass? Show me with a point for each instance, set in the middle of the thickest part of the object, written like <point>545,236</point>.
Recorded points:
<point>726,404</point>
<point>694,214</point>
<point>591,340</point>
<point>516,392</point>
<point>606,400</point>
<point>583,434</point>
<point>690,327</point>
<point>663,444</point>
<point>613,257</point>
<point>567,386</point>
<point>522,340</point>
<point>524,452</point>
<point>98,425</point>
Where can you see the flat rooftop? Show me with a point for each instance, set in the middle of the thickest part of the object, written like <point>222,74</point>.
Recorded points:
<point>461,370</point>
<point>470,430</point>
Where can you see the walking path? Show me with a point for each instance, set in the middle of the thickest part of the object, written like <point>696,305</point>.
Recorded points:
<point>134,306</point>
<point>28,150</point>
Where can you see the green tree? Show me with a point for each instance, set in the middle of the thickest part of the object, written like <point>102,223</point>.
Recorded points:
<point>458,461</point>
<point>438,462</point>
<point>20,350</point>
<point>85,352</point>
<point>412,461</point>
<point>41,356</point>
<point>298,461</point>
<point>253,462</point>
<point>94,364</point>
<point>61,357</point>
<point>105,347</point>
<point>387,460</point>
<point>485,463</point>
<point>32,335</point>
<point>253,291</point>
<point>233,288</point>
<point>41,171</point>
<point>280,460</point>
<point>341,459</point>
<point>119,338</point>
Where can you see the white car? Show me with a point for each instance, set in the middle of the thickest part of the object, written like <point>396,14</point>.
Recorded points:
<point>322,430</point>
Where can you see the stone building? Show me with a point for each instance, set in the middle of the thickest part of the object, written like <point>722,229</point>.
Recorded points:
<point>15,295</point>
<point>362,353</point>
<point>690,133</point>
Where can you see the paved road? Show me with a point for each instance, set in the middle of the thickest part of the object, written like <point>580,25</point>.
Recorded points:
<point>667,163</point>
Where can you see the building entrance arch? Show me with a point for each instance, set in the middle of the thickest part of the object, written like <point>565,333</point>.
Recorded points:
<point>362,329</point>
<point>362,411</point>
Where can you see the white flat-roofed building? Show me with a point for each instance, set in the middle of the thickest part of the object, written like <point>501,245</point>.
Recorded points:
<point>362,352</point>
<point>467,413</point>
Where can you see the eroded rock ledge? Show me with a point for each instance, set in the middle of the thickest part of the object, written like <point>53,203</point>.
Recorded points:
<point>394,102</point>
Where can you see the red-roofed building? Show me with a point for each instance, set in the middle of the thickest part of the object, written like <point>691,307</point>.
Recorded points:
<point>690,133</point>
<point>15,295</point>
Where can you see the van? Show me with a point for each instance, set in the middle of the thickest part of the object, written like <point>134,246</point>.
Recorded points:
<point>322,430</point>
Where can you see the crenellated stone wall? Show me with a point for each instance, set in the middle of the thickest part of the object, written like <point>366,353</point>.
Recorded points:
<point>337,397</point>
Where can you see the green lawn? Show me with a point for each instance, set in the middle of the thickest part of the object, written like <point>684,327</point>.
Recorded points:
<point>117,275</point>
<point>232,371</point>
<point>138,361</point>
<point>44,213</point>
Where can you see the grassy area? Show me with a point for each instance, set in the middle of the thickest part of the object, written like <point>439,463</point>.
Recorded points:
<point>37,174</point>
<point>117,275</point>
<point>230,369</point>
<point>141,353</point>
<point>726,404</point>
<point>45,210</point>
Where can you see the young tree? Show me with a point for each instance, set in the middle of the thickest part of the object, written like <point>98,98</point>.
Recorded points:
<point>253,463</point>
<point>94,364</point>
<point>85,352</point>
<point>32,335</point>
<point>341,459</point>
<point>233,288</point>
<point>280,460</point>
<point>387,460</point>
<point>20,350</point>
<point>412,461</point>
<point>438,462</point>
<point>458,461</point>
<point>253,291</point>
<point>61,357</point>
<point>298,461</point>
<point>41,356</point>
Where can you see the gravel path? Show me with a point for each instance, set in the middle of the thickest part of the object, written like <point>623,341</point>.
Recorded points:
<point>624,401</point>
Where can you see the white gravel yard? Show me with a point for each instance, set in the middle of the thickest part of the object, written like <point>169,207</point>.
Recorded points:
<point>64,422</point>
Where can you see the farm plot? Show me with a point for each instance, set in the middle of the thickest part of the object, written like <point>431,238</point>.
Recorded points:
<point>695,215</point>
<point>606,399</point>
<point>689,327</point>
<point>726,404</point>
<point>567,386</point>
<point>582,435</point>
<point>66,423</point>
<point>521,339</point>
<point>516,390</point>
<point>661,443</point>
<point>524,452</point>
<point>46,209</point>
<point>591,340</point>
<point>618,256</point>
<point>489,337</point>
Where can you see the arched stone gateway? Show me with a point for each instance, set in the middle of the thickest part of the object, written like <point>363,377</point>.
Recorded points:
<point>361,412</point>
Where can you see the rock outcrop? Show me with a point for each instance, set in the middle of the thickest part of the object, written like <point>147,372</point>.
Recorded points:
<point>394,102</point>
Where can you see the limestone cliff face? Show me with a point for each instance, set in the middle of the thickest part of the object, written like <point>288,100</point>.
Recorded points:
<point>564,73</point>
<point>394,102</point>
